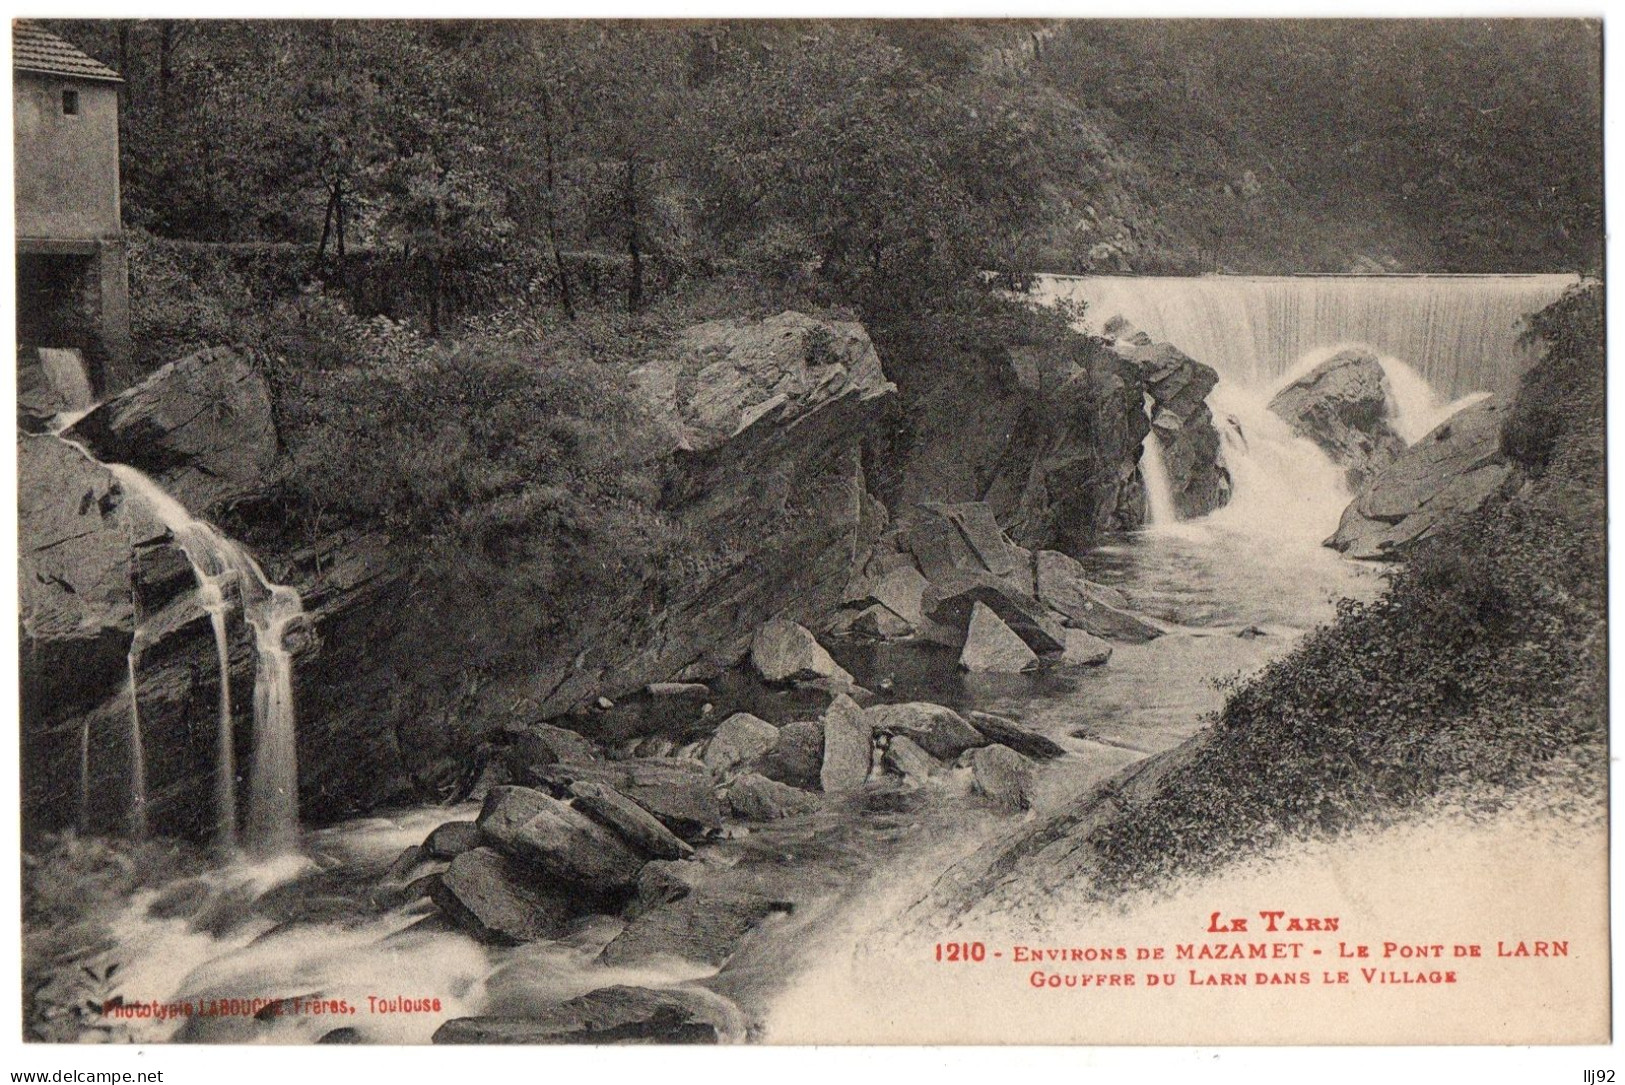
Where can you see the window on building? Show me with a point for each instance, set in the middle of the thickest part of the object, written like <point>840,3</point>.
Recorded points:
<point>70,103</point>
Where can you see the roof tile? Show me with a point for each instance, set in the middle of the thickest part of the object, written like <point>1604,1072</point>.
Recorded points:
<point>35,49</point>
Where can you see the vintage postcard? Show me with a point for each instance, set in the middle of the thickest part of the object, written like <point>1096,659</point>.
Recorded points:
<point>892,532</point>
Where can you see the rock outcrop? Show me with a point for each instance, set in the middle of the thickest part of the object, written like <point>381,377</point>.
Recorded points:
<point>1450,471</point>
<point>1344,406</point>
<point>1176,387</point>
<point>201,426</point>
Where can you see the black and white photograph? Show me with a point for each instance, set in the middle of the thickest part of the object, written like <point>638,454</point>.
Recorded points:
<point>809,531</point>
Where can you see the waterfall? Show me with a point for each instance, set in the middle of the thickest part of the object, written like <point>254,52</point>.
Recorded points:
<point>213,601</point>
<point>1460,332</point>
<point>273,807</point>
<point>219,563</point>
<point>1159,491</point>
<point>269,609</point>
<point>138,753</point>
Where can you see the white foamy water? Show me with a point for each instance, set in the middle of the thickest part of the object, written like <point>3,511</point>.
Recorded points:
<point>1460,332</point>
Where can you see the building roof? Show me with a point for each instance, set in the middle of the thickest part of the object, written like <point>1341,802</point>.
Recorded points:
<point>36,49</point>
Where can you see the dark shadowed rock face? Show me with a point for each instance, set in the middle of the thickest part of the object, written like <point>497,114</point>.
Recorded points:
<point>201,426</point>
<point>1343,405</point>
<point>1178,387</point>
<point>501,901</point>
<point>1449,472</point>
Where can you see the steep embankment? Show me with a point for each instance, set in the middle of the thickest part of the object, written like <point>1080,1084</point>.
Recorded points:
<point>1478,679</point>
<point>487,538</point>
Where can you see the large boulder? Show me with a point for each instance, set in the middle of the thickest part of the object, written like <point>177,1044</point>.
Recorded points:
<point>1344,406</point>
<point>630,821</point>
<point>1176,387</point>
<point>756,798</point>
<point>499,900</point>
<point>947,539</point>
<point>730,374</point>
<point>451,839</point>
<point>741,737</point>
<point>1002,776</point>
<point>797,758</point>
<point>678,791</point>
<point>561,842</point>
<point>767,476</point>
<point>610,1015</point>
<point>1007,732</point>
<point>706,927</point>
<point>1094,608</point>
<point>955,596</point>
<point>848,747</point>
<point>1449,472</point>
<point>991,646</point>
<point>201,426</point>
<point>783,651</point>
<point>939,731</point>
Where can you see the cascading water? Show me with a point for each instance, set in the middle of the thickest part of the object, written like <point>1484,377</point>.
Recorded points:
<point>220,564</point>
<point>1159,490</point>
<point>1461,332</point>
<point>269,608</point>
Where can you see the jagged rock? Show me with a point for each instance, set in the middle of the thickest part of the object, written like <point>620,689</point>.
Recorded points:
<point>880,623</point>
<point>1002,776</point>
<point>966,538</point>
<point>544,744</point>
<point>497,899</point>
<point>408,861</point>
<point>678,791</point>
<point>662,882</point>
<point>1094,608</point>
<point>992,646</point>
<point>611,1015</point>
<point>450,840</point>
<point>1343,406</point>
<point>1085,649</point>
<point>1449,472</point>
<point>741,737</point>
<point>561,842</point>
<point>904,757</point>
<point>631,822</point>
<point>201,426</point>
<point>1178,387</point>
<point>783,651</point>
<point>76,568</point>
<point>733,374</point>
<point>798,757</point>
<point>706,927</point>
<point>848,742</point>
<point>899,588</point>
<point>1009,733</point>
<point>952,599</point>
<point>939,731</point>
<point>756,798</point>
<point>1251,632</point>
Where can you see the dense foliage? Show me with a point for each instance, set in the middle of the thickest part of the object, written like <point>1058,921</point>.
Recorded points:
<point>1480,672</point>
<point>871,161</point>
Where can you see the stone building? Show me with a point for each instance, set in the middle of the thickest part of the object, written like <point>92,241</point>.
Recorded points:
<point>72,277</point>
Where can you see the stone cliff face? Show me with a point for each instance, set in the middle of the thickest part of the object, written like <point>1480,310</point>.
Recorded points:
<point>767,469</point>
<point>772,470</point>
<point>1177,387</point>
<point>1451,471</point>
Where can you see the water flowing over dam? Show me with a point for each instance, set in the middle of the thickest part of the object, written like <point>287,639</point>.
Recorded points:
<point>1460,332</point>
